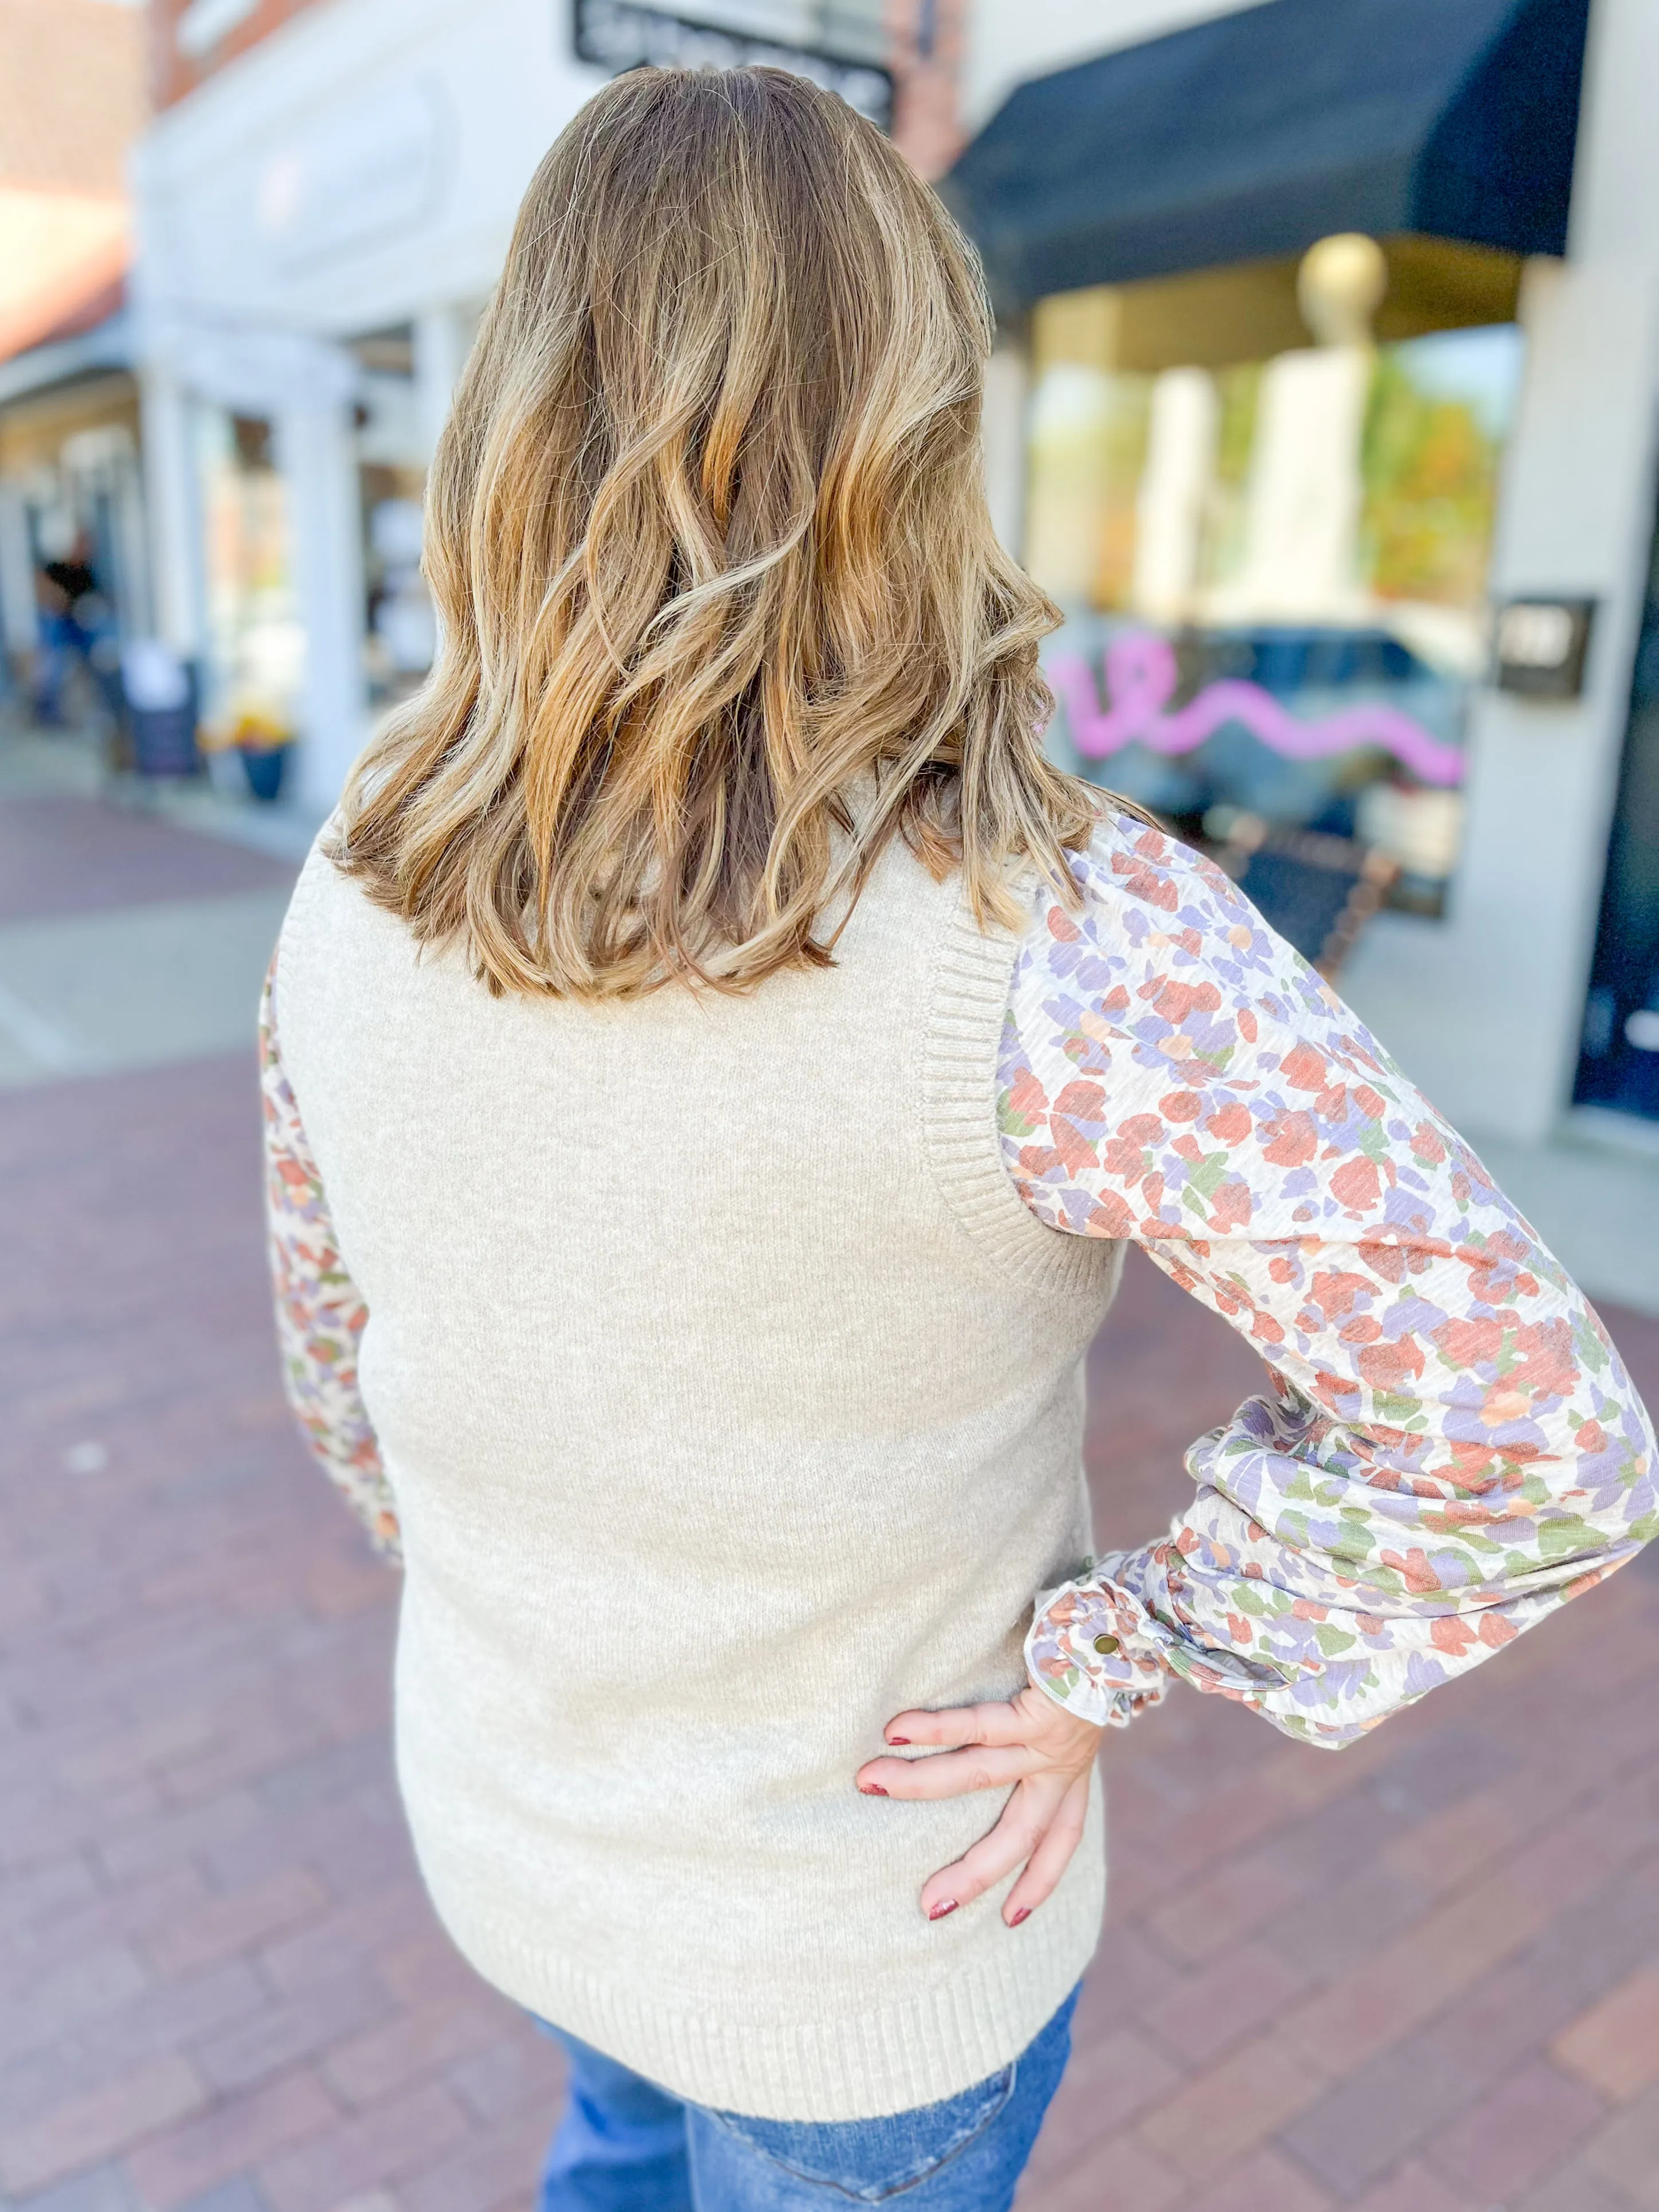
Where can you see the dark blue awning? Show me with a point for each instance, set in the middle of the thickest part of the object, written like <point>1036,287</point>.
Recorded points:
<point>1257,134</point>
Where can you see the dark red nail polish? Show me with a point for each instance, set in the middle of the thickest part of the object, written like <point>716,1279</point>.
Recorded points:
<point>1024,1913</point>
<point>945,1905</point>
<point>873,1790</point>
<point>904,1740</point>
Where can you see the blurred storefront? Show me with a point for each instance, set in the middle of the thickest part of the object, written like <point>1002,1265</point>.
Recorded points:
<point>1276,568</point>
<point>1281,492</point>
<point>324,201</point>
<point>1332,330</point>
<point>71,102</point>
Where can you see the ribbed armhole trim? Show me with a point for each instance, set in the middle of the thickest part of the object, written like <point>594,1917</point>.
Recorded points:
<point>959,1112</point>
<point>314,874</point>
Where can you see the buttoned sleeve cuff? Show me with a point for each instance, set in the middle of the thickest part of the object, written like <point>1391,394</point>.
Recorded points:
<point>1096,1649</point>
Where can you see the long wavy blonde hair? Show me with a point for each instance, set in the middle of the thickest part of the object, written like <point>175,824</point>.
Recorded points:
<point>722,609</point>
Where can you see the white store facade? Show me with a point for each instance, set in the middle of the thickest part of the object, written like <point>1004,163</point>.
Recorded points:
<point>1496,1003</point>
<point>357,172</point>
<point>320,221</point>
<point>322,218</point>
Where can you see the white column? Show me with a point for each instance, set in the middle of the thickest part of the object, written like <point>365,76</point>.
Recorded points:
<point>317,454</point>
<point>136,593</point>
<point>1174,490</point>
<point>173,512</point>
<point>1007,390</point>
<point>1304,497</point>
<point>17,619</point>
<point>1485,1010</point>
<point>443,338</point>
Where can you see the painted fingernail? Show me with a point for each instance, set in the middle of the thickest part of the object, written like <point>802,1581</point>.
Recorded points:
<point>937,1911</point>
<point>904,1740</point>
<point>1014,1918</point>
<point>871,1789</point>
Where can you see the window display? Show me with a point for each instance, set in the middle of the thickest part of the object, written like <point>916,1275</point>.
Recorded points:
<point>1273,571</point>
<point>255,660</point>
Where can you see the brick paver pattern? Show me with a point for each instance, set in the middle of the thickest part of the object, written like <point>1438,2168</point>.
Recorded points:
<point>1421,1975</point>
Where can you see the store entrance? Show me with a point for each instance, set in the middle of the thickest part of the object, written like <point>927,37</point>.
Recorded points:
<point>1619,1067</point>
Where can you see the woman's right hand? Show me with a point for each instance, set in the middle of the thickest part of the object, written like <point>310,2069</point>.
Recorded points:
<point>1031,1743</point>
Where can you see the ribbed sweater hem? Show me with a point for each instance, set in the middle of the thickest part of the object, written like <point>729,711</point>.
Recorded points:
<point>929,2045</point>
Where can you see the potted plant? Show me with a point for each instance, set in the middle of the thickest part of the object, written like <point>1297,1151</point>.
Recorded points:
<point>263,742</point>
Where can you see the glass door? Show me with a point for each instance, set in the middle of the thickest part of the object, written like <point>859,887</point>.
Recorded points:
<point>1619,1067</point>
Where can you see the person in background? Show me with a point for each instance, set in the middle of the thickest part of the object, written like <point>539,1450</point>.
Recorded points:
<point>74,619</point>
<point>713,1065</point>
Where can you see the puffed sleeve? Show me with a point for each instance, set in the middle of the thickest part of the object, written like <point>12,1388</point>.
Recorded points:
<point>320,1314</point>
<point>1446,1447</point>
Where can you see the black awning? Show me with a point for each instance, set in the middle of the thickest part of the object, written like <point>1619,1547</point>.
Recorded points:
<point>1258,133</point>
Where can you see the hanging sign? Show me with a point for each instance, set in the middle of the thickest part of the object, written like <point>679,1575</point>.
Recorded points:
<point>1539,646</point>
<point>620,34</point>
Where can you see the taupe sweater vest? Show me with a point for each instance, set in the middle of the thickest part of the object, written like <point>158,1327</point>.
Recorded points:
<point>732,1402</point>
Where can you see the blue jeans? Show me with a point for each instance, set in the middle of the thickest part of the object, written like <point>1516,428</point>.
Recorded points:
<point>626,2145</point>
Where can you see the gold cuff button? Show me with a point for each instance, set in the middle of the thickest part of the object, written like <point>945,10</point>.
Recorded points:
<point>1105,1645</point>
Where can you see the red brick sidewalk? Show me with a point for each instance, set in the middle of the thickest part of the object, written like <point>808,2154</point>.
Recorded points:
<point>1420,1977</point>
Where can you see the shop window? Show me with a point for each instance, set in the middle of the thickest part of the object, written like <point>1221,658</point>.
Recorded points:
<point>402,634</point>
<point>1273,564</point>
<point>399,629</point>
<point>254,667</point>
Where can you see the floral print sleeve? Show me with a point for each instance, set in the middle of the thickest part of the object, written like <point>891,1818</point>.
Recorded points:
<point>320,1313</point>
<point>1448,1446</point>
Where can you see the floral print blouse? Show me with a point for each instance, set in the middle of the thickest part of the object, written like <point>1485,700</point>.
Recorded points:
<point>1447,1446</point>
<point>320,1313</point>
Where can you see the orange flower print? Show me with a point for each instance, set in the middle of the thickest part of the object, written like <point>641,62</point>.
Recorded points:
<point>1355,1185</point>
<point>1231,1206</point>
<point>1472,1343</point>
<point>1292,1140</point>
<point>1389,1368</point>
<point>1145,883</point>
<point>1230,1124</point>
<point>1025,1103</point>
<point>1414,1566</point>
<point>1548,1364</point>
<point>1304,1068</point>
<point>1338,1292</point>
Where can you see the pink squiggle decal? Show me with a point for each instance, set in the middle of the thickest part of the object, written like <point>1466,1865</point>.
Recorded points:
<point>1140,681</point>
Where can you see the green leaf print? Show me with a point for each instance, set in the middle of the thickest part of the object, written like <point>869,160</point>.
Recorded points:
<point>1354,1545</point>
<point>1398,1410</point>
<point>1587,1343</point>
<point>1010,1121</point>
<point>1566,1536</point>
<point>1208,1175</point>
